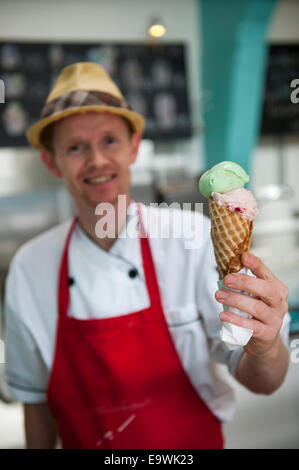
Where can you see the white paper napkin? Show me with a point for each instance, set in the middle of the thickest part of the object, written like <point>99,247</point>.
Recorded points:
<point>235,336</point>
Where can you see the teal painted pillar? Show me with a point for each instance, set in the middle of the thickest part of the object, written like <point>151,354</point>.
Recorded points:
<point>233,64</point>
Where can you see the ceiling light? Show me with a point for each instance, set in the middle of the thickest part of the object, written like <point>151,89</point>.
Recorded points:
<point>157,29</point>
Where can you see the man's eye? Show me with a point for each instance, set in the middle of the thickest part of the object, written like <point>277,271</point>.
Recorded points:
<point>75,148</point>
<point>110,140</point>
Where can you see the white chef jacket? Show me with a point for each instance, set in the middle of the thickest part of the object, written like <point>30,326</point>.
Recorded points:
<point>187,276</point>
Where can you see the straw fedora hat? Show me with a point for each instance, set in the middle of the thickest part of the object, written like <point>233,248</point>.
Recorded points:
<point>82,87</point>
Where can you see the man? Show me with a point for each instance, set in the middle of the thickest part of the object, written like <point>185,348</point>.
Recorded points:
<point>111,341</point>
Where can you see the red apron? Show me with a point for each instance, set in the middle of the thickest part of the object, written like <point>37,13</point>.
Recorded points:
<point>118,383</point>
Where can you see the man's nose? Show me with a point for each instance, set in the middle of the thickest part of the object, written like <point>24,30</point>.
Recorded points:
<point>96,156</point>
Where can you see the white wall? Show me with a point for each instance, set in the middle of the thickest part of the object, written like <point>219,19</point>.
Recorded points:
<point>284,24</point>
<point>112,20</point>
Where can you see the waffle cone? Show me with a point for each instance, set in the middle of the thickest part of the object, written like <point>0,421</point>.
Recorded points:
<point>231,237</point>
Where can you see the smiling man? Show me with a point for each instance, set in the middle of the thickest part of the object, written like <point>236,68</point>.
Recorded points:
<point>112,342</point>
<point>93,153</point>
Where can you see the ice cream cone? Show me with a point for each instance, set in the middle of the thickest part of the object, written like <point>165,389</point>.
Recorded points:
<point>231,237</point>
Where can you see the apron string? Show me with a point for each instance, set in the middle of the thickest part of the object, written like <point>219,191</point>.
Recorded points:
<point>63,287</point>
<point>150,272</point>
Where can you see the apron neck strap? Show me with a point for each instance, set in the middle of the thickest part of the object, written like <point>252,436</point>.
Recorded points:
<point>63,283</point>
<point>151,278</point>
<point>148,266</point>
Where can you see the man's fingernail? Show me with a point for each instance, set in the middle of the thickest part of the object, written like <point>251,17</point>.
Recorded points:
<point>221,295</point>
<point>231,280</point>
<point>246,257</point>
<point>223,316</point>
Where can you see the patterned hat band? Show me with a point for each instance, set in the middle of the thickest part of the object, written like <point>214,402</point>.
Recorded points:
<point>81,98</point>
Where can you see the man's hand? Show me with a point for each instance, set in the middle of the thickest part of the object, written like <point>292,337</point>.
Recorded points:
<point>267,306</point>
<point>264,363</point>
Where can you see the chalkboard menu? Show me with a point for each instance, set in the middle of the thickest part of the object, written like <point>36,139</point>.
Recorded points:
<point>151,77</point>
<point>280,114</point>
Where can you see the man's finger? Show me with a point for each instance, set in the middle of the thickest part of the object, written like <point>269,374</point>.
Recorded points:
<point>257,267</point>
<point>259,329</point>
<point>245,303</point>
<point>260,288</point>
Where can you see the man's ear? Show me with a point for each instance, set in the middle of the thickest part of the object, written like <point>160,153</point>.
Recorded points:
<point>136,139</point>
<point>50,163</point>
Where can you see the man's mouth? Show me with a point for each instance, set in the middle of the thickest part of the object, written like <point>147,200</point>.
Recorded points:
<point>99,179</point>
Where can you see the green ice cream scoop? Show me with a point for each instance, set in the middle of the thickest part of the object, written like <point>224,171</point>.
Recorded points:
<point>223,177</point>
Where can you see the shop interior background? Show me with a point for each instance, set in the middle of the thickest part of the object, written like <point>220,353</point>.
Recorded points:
<point>31,201</point>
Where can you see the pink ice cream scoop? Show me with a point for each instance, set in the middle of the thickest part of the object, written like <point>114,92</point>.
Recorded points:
<point>238,200</point>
